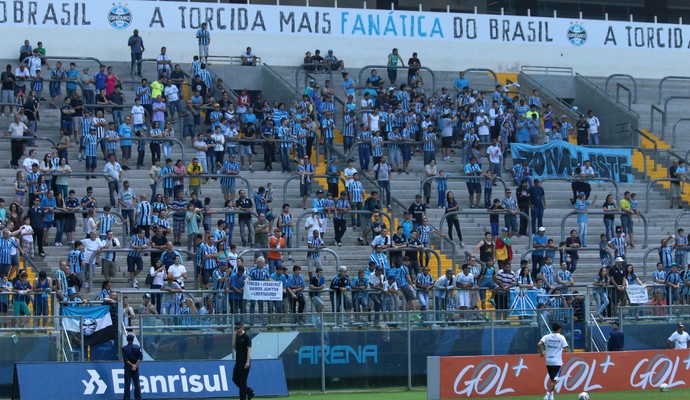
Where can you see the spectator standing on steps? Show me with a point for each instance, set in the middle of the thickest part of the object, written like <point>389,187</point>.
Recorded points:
<point>538,204</point>
<point>593,124</point>
<point>616,338</point>
<point>524,201</point>
<point>675,185</point>
<point>136,44</point>
<point>203,35</point>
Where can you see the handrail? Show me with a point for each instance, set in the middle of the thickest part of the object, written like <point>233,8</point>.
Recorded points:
<point>665,115</point>
<point>649,188</point>
<point>233,59</point>
<point>292,178</point>
<point>225,86</point>
<point>598,330</point>
<point>298,225</point>
<point>200,176</point>
<point>651,116</point>
<point>436,254</point>
<point>678,218</point>
<point>668,78</point>
<point>148,139</point>
<point>644,260</point>
<point>300,68</point>
<point>92,260</point>
<point>600,90</point>
<point>654,144</point>
<point>606,84</point>
<point>456,178</point>
<point>358,143</point>
<point>385,67</point>
<point>675,126</point>
<point>565,107</point>
<point>292,250</point>
<point>72,58</point>
<point>571,179</point>
<point>481,212</point>
<point>82,211</point>
<point>29,138</point>
<point>620,86</point>
<point>601,212</point>
<point>546,69</point>
<point>671,153</point>
<point>490,71</point>
<point>31,263</point>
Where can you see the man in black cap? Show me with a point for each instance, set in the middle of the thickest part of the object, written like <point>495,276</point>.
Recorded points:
<point>243,359</point>
<point>132,356</point>
<point>616,338</point>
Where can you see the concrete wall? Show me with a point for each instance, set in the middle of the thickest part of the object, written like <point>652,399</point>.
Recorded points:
<point>444,41</point>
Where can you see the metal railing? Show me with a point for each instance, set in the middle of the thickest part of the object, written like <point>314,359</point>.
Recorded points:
<point>72,58</point>
<point>651,140</point>
<point>645,259</point>
<point>669,78</point>
<point>307,73</point>
<point>481,212</point>
<point>439,265</point>
<point>161,140</point>
<point>161,178</point>
<point>634,82</point>
<point>675,127</point>
<point>649,189</point>
<point>232,60</point>
<point>487,70</point>
<point>564,106</point>
<point>385,67</point>
<point>457,178</point>
<point>678,218</point>
<point>654,109</point>
<point>598,341</point>
<point>544,69</point>
<point>357,143</point>
<point>292,250</point>
<point>313,177</point>
<point>624,88</point>
<point>298,225</point>
<point>664,118</point>
<point>571,179</point>
<point>123,221</point>
<point>29,139</point>
<point>601,212</point>
<point>92,260</point>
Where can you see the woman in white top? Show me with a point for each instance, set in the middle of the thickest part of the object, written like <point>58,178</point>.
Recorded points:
<point>62,179</point>
<point>168,133</point>
<point>27,234</point>
<point>91,224</point>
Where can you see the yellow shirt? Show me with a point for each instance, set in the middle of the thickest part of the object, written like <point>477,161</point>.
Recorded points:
<point>625,204</point>
<point>193,181</point>
<point>156,89</point>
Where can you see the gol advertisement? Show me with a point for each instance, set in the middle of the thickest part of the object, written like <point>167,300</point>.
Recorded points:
<point>525,375</point>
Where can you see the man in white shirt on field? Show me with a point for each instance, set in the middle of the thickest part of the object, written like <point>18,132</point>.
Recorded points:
<point>552,346</point>
<point>679,339</point>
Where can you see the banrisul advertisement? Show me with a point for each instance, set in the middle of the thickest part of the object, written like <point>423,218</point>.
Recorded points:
<point>343,23</point>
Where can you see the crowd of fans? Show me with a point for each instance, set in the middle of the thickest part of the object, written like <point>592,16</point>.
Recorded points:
<point>389,123</point>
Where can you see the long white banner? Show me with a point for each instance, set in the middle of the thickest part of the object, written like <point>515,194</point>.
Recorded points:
<point>343,23</point>
<point>637,294</point>
<point>263,290</point>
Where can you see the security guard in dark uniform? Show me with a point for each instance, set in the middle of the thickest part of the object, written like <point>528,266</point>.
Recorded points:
<point>243,359</point>
<point>132,356</point>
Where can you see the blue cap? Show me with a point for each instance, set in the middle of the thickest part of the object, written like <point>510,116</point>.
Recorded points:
<point>391,276</point>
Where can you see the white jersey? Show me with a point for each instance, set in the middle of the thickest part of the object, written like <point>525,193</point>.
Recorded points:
<point>554,343</point>
<point>679,340</point>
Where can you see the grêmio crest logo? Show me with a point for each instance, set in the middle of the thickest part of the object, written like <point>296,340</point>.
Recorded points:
<point>215,382</point>
<point>311,355</point>
<point>120,16</point>
<point>577,34</point>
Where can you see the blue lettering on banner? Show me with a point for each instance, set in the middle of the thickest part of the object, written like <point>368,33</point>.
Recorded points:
<point>341,354</point>
<point>159,380</point>
<point>395,24</point>
<point>559,159</point>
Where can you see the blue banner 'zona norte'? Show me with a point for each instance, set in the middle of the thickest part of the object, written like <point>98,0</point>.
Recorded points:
<point>560,159</point>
